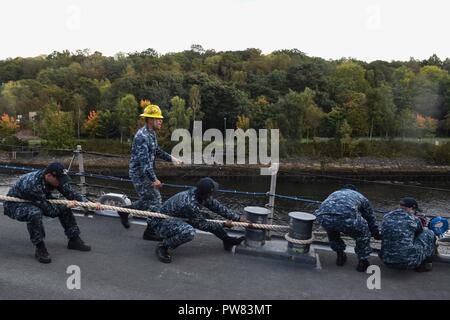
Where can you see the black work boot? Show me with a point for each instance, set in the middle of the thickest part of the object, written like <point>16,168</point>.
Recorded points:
<point>425,266</point>
<point>42,254</point>
<point>363,264</point>
<point>230,242</point>
<point>150,235</point>
<point>124,219</point>
<point>77,244</point>
<point>341,258</point>
<point>162,252</point>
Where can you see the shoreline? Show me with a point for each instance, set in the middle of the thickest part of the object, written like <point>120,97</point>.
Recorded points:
<point>367,168</point>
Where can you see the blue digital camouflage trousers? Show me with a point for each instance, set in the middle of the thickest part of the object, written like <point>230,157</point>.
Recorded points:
<point>32,215</point>
<point>413,256</point>
<point>176,232</point>
<point>356,228</point>
<point>149,198</point>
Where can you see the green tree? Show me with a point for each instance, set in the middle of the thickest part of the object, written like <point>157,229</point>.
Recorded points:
<point>428,87</point>
<point>356,113</point>
<point>262,112</point>
<point>221,101</point>
<point>345,131</point>
<point>332,122</point>
<point>24,96</point>
<point>108,126</point>
<point>402,80</point>
<point>79,104</point>
<point>406,123</point>
<point>179,116</point>
<point>447,124</point>
<point>382,110</point>
<point>291,110</point>
<point>195,102</point>
<point>314,73</point>
<point>126,110</point>
<point>312,114</point>
<point>349,75</point>
<point>57,127</point>
<point>313,119</point>
<point>344,136</point>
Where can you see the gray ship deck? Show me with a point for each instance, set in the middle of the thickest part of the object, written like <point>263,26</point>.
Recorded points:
<point>123,266</point>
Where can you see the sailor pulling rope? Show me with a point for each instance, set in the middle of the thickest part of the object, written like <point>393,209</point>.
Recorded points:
<point>147,214</point>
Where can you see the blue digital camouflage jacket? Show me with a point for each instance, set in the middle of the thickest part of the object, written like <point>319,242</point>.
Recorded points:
<point>144,152</point>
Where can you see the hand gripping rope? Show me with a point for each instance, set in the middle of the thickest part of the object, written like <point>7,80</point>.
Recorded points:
<point>149,214</point>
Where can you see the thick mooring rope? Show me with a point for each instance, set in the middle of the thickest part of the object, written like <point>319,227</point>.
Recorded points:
<point>298,241</point>
<point>149,214</point>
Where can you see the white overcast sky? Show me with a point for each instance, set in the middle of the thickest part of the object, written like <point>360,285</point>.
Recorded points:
<point>363,29</point>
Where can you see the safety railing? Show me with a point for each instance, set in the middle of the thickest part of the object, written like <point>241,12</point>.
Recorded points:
<point>272,195</point>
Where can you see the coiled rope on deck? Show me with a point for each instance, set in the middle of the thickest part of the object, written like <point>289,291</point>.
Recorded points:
<point>149,214</point>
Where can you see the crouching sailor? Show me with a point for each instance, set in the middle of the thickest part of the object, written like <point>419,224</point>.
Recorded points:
<point>406,243</point>
<point>187,204</point>
<point>349,212</point>
<point>36,187</point>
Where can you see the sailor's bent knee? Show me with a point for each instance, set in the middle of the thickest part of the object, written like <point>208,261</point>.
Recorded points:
<point>188,233</point>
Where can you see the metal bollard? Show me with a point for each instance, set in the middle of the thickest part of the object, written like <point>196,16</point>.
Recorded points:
<point>256,238</point>
<point>113,199</point>
<point>301,224</point>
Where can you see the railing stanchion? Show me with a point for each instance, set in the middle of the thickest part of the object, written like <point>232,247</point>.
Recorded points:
<point>273,187</point>
<point>79,153</point>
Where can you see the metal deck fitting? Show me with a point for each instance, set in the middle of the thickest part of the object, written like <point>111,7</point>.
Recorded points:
<point>297,248</point>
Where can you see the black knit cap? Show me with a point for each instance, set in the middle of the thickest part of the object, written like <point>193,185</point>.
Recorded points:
<point>57,170</point>
<point>349,186</point>
<point>206,186</point>
<point>410,202</point>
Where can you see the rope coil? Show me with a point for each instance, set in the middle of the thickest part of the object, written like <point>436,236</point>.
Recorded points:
<point>444,240</point>
<point>298,241</point>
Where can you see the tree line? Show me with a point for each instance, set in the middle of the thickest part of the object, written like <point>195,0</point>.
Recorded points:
<point>82,94</point>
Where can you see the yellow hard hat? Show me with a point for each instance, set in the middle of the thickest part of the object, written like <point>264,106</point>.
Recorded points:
<point>152,111</point>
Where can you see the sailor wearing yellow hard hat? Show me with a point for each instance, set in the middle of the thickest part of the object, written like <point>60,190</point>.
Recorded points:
<point>152,111</point>
<point>144,152</point>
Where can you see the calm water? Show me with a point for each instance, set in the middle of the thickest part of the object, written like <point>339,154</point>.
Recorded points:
<point>384,197</point>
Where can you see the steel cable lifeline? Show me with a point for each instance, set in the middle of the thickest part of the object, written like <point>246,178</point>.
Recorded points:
<point>171,185</point>
<point>110,155</point>
<point>149,214</point>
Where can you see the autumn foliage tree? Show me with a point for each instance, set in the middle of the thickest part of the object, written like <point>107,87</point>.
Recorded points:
<point>8,125</point>
<point>91,123</point>
<point>303,96</point>
<point>428,125</point>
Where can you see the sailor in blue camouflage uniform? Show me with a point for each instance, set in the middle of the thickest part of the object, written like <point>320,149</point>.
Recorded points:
<point>406,243</point>
<point>36,187</point>
<point>187,205</point>
<point>144,152</point>
<point>347,211</point>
